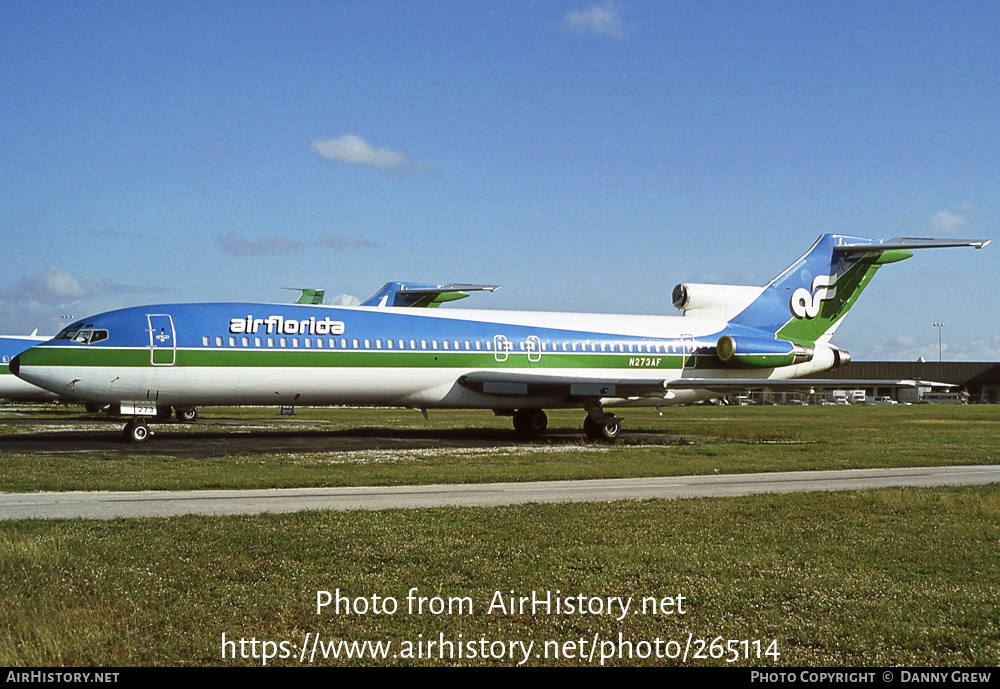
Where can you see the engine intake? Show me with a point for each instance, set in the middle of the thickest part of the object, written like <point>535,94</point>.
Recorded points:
<point>717,302</point>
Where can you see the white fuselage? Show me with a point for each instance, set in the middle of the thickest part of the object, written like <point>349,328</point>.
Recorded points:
<point>414,361</point>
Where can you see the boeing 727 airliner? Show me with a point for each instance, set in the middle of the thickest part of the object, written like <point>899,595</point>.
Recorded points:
<point>730,338</point>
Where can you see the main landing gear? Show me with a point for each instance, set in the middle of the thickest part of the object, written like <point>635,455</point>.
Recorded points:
<point>602,430</point>
<point>530,421</point>
<point>598,424</point>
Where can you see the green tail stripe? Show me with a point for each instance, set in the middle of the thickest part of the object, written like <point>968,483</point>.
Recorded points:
<point>850,285</point>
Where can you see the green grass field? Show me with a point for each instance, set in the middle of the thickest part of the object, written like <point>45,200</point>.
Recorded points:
<point>880,577</point>
<point>704,440</point>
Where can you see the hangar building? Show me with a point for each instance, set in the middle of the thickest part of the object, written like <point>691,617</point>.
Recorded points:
<point>980,379</point>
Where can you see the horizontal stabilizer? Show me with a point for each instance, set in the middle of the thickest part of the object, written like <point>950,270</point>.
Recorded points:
<point>419,295</point>
<point>908,243</point>
<point>308,295</point>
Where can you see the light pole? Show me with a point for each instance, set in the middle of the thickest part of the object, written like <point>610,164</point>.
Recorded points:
<point>940,349</point>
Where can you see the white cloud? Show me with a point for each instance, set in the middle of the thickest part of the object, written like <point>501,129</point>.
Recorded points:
<point>353,150</point>
<point>55,283</point>
<point>603,19</point>
<point>344,300</point>
<point>42,300</point>
<point>59,285</point>
<point>947,221</point>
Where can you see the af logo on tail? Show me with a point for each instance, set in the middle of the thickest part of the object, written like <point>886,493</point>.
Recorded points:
<point>806,304</point>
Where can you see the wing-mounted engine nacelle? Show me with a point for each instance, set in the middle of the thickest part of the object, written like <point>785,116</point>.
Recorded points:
<point>717,302</point>
<point>749,352</point>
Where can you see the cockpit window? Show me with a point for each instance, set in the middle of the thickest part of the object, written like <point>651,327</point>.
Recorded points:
<point>82,336</point>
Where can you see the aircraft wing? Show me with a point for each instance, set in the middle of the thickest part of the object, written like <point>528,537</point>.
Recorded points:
<point>521,384</point>
<point>420,295</point>
<point>517,384</point>
<point>793,384</point>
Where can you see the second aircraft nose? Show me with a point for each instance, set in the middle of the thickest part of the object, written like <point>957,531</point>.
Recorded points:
<point>15,365</point>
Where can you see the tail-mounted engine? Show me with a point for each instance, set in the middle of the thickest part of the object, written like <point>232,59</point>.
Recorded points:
<point>841,357</point>
<point>716,302</point>
<point>749,352</point>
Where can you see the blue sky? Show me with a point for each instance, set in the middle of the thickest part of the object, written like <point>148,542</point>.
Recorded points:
<point>587,156</point>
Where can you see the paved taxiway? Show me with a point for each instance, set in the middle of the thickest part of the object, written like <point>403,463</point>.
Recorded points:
<point>108,505</point>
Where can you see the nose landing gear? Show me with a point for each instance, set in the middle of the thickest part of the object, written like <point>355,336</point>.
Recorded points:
<point>136,431</point>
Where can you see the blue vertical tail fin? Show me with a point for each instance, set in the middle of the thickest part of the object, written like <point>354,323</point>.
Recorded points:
<point>808,300</point>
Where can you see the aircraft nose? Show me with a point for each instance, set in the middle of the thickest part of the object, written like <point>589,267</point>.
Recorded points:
<point>15,365</point>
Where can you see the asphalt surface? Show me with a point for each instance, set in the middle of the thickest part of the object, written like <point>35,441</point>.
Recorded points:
<point>108,505</point>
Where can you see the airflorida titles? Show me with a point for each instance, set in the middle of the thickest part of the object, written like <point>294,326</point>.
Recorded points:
<point>277,325</point>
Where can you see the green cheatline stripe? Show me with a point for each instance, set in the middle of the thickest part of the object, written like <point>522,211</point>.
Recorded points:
<point>251,358</point>
<point>5,370</point>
